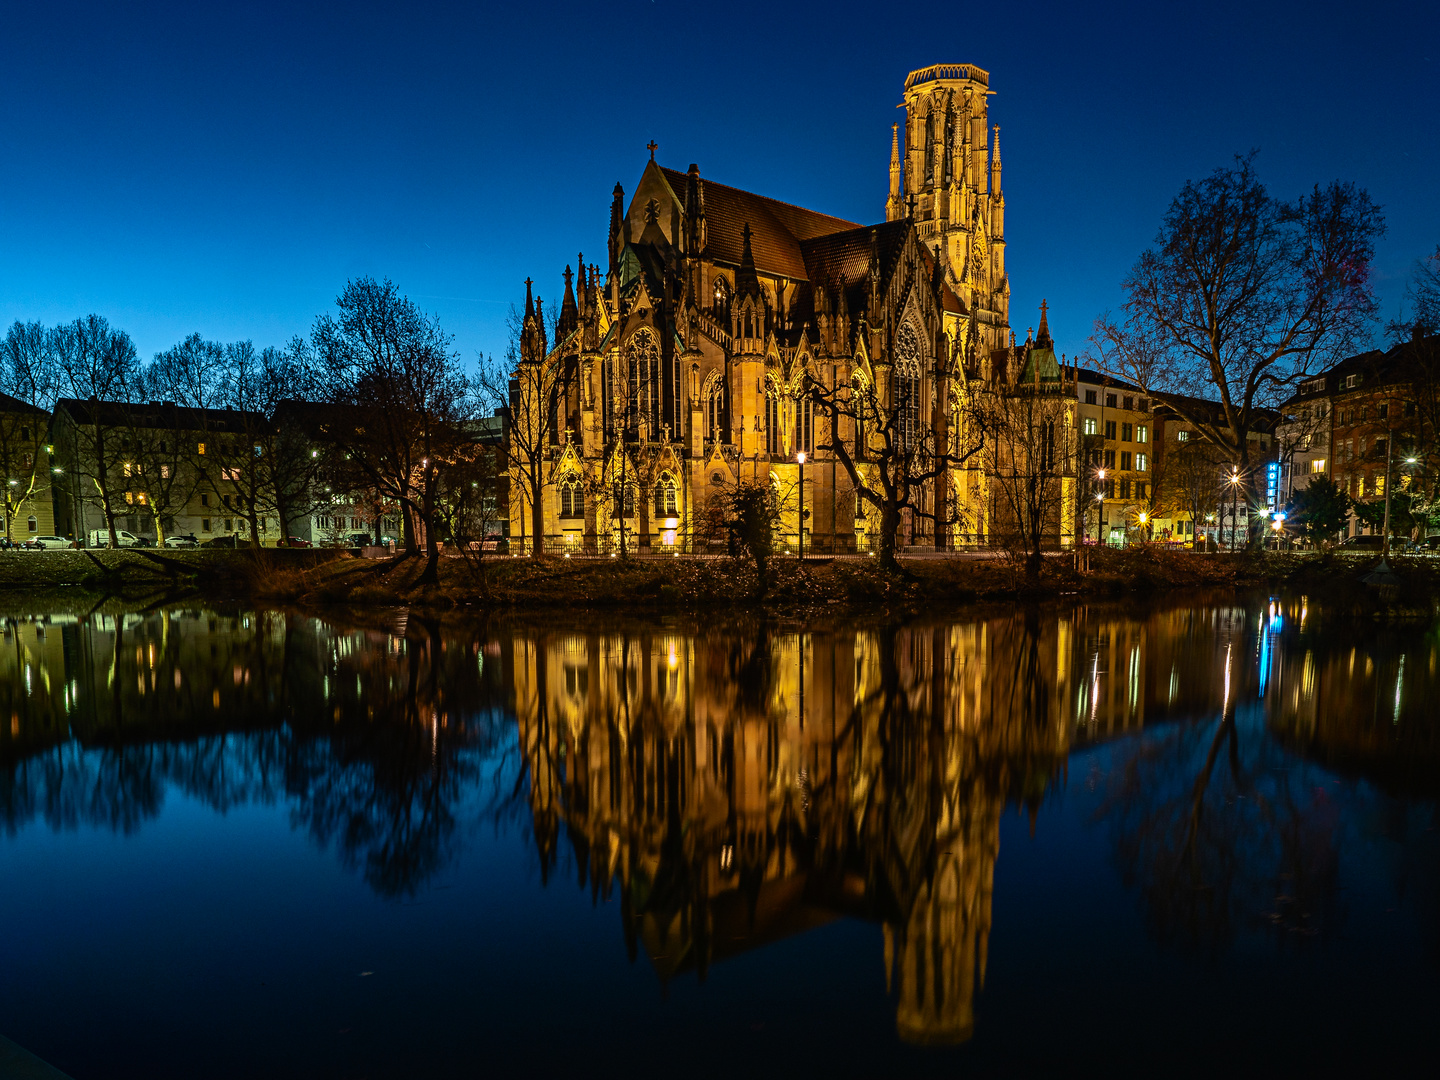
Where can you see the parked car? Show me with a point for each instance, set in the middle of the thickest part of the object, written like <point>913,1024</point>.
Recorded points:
<point>188,540</point>
<point>1363,543</point>
<point>100,538</point>
<point>144,541</point>
<point>41,543</point>
<point>294,542</point>
<point>221,542</point>
<point>358,539</point>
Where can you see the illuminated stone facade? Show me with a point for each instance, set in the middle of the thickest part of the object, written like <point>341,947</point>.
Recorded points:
<point>682,366</point>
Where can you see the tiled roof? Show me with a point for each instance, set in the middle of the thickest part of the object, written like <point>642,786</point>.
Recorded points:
<point>1099,378</point>
<point>16,405</point>
<point>778,227</point>
<point>159,415</point>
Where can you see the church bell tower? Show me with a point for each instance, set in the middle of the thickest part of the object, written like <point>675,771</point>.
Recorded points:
<point>945,173</point>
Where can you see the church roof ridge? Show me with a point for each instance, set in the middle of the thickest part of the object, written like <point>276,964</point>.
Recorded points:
<point>778,226</point>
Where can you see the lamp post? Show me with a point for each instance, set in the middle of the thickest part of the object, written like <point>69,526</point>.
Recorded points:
<point>1234,505</point>
<point>800,521</point>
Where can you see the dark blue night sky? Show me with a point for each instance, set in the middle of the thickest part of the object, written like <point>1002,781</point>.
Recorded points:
<point>225,167</point>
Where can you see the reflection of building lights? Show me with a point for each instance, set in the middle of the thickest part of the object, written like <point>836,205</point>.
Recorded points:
<point>727,856</point>
<point>1399,684</point>
<point>674,659</point>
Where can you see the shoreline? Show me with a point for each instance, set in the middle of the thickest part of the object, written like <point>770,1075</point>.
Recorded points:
<point>332,578</point>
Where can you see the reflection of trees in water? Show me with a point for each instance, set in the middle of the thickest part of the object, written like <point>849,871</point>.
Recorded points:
<point>375,739</point>
<point>1223,832</point>
<point>736,787</point>
<point>1229,824</point>
<point>1363,707</point>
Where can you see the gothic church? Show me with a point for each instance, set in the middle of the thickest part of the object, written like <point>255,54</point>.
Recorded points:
<point>682,365</point>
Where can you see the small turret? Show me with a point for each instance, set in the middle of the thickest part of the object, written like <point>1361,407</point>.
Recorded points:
<point>995,163</point>
<point>747,282</point>
<point>569,313</point>
<point>1042,337</point>
<point>617,219</point>
<point>894,202</point>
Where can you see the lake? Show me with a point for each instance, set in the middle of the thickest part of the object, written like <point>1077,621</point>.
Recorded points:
<point>1109,840</point>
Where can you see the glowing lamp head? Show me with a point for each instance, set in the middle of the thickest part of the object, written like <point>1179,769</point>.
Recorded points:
<point>1144,517</point>
<point>800,457</point>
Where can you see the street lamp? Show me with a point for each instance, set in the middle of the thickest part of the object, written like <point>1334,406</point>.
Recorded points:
<point>1234,483</point>
<point>800,521</point>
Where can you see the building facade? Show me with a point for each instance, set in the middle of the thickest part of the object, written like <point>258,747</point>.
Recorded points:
<point>690,363</point>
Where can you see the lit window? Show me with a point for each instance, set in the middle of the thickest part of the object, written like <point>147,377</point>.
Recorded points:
<point>772,419</point>
<point>1142,463</point>
<point>1091,426</point>
<point>665,500</point>
<point>1182,436</point>
<point>1142,433</point>
<point>200,448</point>
<point>1317,465</point>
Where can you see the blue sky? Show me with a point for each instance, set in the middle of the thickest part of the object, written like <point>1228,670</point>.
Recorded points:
<point>225,168</point>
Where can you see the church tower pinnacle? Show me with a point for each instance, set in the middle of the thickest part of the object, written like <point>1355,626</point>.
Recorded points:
<point>894,205</point>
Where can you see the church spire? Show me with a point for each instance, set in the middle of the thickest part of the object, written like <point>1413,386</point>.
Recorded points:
<point>617,217</point>
<point>569,313</point>
<point>1042,338</point>
<point>747,282</point>
<point>892,204</point>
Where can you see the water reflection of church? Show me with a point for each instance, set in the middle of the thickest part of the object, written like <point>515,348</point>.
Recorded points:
<point>737,789</point>
<point>728,786</point>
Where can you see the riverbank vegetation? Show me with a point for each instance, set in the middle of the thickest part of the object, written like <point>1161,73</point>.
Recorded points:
<point>322,578</point>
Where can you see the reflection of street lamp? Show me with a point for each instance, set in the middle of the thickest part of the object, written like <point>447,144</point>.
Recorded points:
<point>1100,498</point>
<point>800,522</point>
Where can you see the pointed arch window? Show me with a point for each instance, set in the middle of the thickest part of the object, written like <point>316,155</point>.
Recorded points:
<point>666,497</point>
<point>907,386</point>
<point>773,433</point>
<point>722,301</point>
<point>715,410</point>
<point>572,499</point>
<point>804,419</point>
<point>643,391</point>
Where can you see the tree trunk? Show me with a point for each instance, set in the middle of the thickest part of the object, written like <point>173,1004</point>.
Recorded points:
<point>407,526</point>
<point>889,525</point>
<point>431,574</point>
<point>537,512</point>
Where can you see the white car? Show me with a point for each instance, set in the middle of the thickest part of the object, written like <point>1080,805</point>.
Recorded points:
<point>43,542</point>
<point>181,542</point>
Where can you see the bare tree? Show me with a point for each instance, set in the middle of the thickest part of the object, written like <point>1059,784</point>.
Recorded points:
<point>525,386</point>
<point>900,455</point>
<point>1242,296</point>
<point>95,365</point>
<point>25,376</point>
<point>1028,456</point>
<point>395,371</point>
<point>1190,480</point>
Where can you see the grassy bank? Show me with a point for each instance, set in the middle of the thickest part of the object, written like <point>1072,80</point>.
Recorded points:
<point>922,585</point>
<point>324,578</point>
